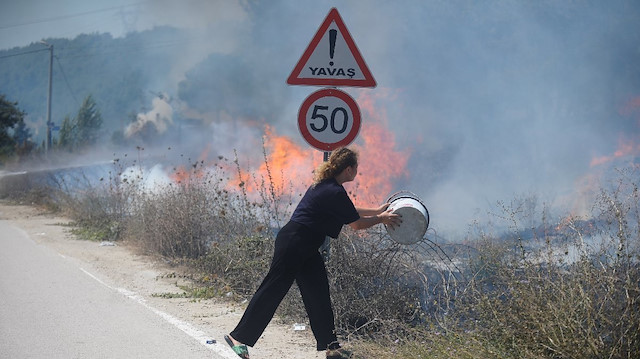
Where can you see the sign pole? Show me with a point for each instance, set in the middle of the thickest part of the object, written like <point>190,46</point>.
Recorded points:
<point>330,118</point>
<point>325,248</point>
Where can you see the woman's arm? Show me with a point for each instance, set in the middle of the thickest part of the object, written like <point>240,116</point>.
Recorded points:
<point>385,216</point>
<point>367,212</point>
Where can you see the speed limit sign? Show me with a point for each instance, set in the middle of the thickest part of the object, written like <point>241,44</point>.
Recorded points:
<point>329,119</point>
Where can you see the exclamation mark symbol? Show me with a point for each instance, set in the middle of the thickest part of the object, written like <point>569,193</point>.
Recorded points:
<point>332,44</point>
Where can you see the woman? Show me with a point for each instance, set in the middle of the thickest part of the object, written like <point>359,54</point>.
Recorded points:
<point>322,212</point>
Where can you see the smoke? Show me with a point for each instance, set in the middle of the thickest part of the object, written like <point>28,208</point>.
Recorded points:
<point>501,99</point>
<point>150,181</point>
<point>491,100</point>
<point>160,117</point>
<point>211,27</point>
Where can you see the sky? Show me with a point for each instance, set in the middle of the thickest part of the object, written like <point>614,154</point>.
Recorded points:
<point>493,100</point>
<point>23,22</point>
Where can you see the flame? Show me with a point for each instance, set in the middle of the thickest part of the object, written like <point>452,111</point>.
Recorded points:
<point>287,168</point>
<point>628,145</point>
<point>588,185</point>
<point>183,175</point>
<point>381,164</point>
<point>628,150</point>
<point>180,175</point>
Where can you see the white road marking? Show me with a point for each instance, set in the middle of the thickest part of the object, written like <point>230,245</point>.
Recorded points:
<point>220,348</point>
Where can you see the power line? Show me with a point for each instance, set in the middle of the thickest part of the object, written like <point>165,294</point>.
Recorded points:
<point>23,53</point>
<point>114,49</point>
<point>72,51</point>
<point>39,21</point>
<point>67,81</point>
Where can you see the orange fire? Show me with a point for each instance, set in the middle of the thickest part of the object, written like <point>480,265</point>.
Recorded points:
<point>588,186</point>
<point>287,168</point>
<point>629,145</point>
<point>381,164</point>
<point>628,149</point>
<point>184,175</point>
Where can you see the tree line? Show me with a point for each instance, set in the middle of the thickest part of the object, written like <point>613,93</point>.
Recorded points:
<point>77,133</point>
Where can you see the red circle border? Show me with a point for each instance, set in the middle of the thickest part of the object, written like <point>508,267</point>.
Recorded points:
<point>302,125</point>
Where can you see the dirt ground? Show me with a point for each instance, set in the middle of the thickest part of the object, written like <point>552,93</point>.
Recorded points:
<point>120,266</point>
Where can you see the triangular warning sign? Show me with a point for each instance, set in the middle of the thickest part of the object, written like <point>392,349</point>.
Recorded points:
<point>332,58</point>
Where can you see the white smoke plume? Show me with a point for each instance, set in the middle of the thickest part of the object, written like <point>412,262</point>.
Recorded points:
<point>160,117</point>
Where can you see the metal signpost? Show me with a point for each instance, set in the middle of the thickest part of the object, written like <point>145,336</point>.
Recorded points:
<point>330,118</point>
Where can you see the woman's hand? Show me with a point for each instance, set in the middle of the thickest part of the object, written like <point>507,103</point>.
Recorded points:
<point>368,212</point>
<point>382,207</point>
<point>372,216</point>
<point>389,218</point>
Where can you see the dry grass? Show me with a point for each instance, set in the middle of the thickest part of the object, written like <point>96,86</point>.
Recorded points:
<point>571,295</point>
<point>570,290</point>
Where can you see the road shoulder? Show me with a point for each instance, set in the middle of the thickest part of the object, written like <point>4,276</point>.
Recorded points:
<point>120,266</point>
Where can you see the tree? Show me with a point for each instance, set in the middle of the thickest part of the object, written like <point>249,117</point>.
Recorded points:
<point>67,134</point>
<point>83,130</point>
<point>89,123</point>
<point>22,137</point>
<point>10,116</point>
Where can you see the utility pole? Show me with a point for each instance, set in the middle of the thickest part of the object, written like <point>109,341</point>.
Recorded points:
<point>47,144</point>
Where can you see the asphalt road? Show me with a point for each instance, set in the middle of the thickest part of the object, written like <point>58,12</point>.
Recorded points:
<point>51,307</point>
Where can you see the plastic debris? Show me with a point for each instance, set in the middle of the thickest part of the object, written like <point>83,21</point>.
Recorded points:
<point>211,341</point>
<point>107,244</point>
<point>299,327</point>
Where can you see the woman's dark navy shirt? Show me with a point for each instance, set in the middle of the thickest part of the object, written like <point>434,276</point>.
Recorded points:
<point>325,208</point>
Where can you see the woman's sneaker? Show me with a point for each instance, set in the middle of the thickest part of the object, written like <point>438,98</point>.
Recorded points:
<point>339,353</point>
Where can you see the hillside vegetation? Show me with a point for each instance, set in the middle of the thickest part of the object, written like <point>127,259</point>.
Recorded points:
<point>125,75</point>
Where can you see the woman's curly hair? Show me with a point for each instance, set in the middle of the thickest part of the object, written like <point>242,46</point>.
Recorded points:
<point>340,159</point>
